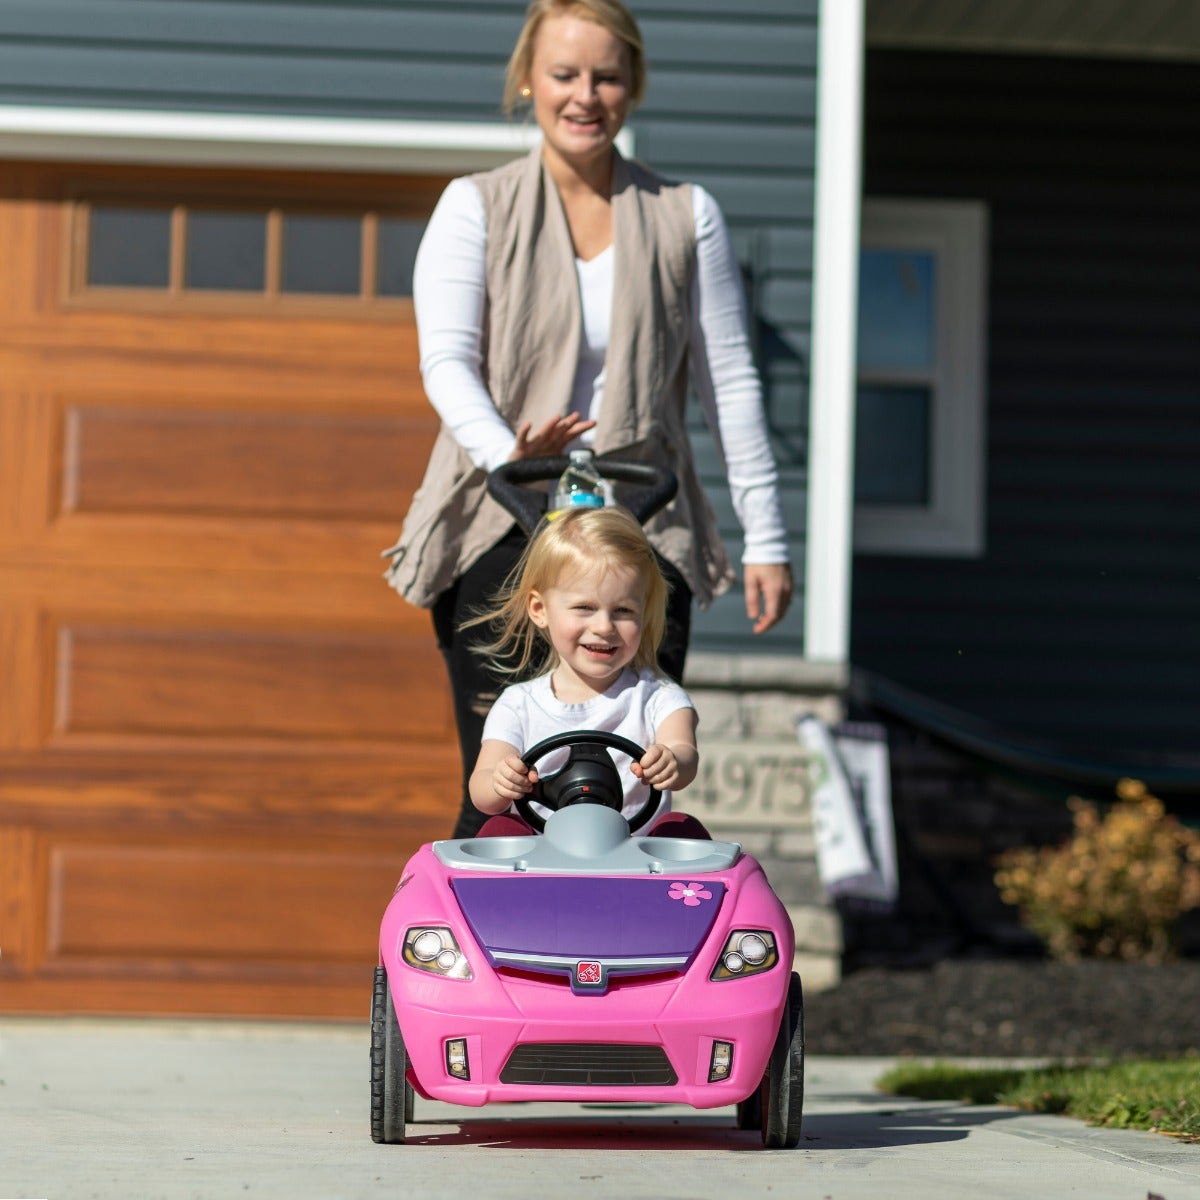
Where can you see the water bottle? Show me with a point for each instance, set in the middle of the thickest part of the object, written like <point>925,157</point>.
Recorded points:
<point>581,485</point>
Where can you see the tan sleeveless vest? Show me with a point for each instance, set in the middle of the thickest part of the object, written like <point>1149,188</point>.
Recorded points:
<point>532,331</point>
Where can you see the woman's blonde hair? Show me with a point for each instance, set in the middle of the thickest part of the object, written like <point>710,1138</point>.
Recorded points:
<point>572,543</point>
<point>611,14</point>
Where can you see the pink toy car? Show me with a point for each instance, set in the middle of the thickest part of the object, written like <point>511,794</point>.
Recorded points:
<point>587,964</point>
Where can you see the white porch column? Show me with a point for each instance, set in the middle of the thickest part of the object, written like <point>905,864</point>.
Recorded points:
<point>830,523</point>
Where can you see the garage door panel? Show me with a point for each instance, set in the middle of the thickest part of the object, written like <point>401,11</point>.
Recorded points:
<point>96,482</point>
<point>177,903</point>
<point>237,463</point>
<point>219,492</point>
<point>227,687</point>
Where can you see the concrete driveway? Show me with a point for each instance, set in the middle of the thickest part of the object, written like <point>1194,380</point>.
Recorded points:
<point>184,1110</point>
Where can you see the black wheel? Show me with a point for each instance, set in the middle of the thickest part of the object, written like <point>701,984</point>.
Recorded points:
<point>782,1091</point>
<point>391,1093</point>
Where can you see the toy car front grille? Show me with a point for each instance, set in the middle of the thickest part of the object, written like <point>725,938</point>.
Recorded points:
<point>588,1064</point>
<point>557,978</point>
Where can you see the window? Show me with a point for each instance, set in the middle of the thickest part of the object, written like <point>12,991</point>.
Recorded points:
<point>130,247</point>
<point>206,253</point>
<point>226,251</point>
<point>918,461</point>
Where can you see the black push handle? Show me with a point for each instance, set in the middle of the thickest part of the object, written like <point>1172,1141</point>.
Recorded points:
<point>639,487</point>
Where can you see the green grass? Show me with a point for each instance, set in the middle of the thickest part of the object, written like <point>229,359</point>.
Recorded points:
<point>1163,1096</point>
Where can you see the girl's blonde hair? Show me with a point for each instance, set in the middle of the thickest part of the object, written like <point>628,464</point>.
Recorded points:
<point>572,543</point>
<point>611,14</point>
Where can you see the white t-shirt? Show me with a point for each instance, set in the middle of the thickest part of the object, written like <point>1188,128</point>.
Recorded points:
<point>634,707</point>
<point>449,293</point>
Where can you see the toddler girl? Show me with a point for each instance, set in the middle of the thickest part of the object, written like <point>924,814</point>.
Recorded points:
<point>590,588</point>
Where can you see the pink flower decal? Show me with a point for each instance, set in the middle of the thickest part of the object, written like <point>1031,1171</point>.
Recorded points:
<point>690,893</point>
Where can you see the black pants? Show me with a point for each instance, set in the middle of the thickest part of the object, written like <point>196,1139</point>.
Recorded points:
<point>475,686</point>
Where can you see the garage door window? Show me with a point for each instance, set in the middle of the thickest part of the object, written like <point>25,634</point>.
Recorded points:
<point>130,247</point>
<point>192,252</point>
<point>225,251</point>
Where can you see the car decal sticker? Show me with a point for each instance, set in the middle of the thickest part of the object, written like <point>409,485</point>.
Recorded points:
<point>692,894</point>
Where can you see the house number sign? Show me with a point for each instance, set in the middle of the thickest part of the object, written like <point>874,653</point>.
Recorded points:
<point>751,783</point>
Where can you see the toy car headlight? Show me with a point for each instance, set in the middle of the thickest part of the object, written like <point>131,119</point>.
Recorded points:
<point>747,952</point>
<point>433,948</point>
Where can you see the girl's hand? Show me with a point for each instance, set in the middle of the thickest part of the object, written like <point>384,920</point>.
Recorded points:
<point>499,778</point>
<point>672,761</point>
<point>551,439</point>
<point>768,593</point>
<point>658,767</point>
<point>512,779</point>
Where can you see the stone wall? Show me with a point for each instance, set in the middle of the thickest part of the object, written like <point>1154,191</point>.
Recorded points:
<point>754,788</point>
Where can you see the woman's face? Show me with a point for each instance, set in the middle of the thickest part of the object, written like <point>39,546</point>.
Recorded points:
<point>580,80</point>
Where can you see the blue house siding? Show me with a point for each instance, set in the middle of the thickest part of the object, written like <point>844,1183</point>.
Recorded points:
<point>1078,625</point>
<point>731,105</point>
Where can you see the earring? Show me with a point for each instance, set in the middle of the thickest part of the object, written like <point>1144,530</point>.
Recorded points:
<point>526,93</point>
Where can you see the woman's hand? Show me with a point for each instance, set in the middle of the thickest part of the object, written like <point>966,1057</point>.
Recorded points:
<point>768,593</point>
<point>551,439</point>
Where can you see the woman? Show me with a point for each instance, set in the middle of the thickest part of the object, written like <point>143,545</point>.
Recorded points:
<point>525,277</point>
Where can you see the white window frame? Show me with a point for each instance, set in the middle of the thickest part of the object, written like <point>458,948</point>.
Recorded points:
<point>952,524</point>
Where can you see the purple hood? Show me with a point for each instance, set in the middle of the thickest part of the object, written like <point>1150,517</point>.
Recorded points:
<point>605,918</point>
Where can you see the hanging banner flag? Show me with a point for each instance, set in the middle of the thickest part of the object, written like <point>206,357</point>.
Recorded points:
<point>852,811</point>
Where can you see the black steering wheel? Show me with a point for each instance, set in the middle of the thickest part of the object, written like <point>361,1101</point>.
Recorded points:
<point>589,777</point>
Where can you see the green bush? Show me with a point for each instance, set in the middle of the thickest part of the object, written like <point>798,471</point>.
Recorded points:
<point>1115,889</point>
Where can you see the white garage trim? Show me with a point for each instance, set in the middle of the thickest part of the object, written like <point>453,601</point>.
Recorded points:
<point>242,139</point>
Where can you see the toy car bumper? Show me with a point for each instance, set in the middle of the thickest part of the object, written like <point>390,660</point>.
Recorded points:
<point>704,1046</point>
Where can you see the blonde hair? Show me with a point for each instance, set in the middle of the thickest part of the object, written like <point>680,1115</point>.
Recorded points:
<point>572,543</point>
<point>611,14</point>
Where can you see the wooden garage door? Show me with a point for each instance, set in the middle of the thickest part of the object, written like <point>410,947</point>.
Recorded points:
<point>221,733</point>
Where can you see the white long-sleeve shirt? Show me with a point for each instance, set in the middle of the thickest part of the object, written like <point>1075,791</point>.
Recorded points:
<point>449,286</point>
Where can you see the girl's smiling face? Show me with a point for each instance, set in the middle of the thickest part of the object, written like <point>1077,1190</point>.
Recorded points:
<point>581,82</point>
<point>594,621</point>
